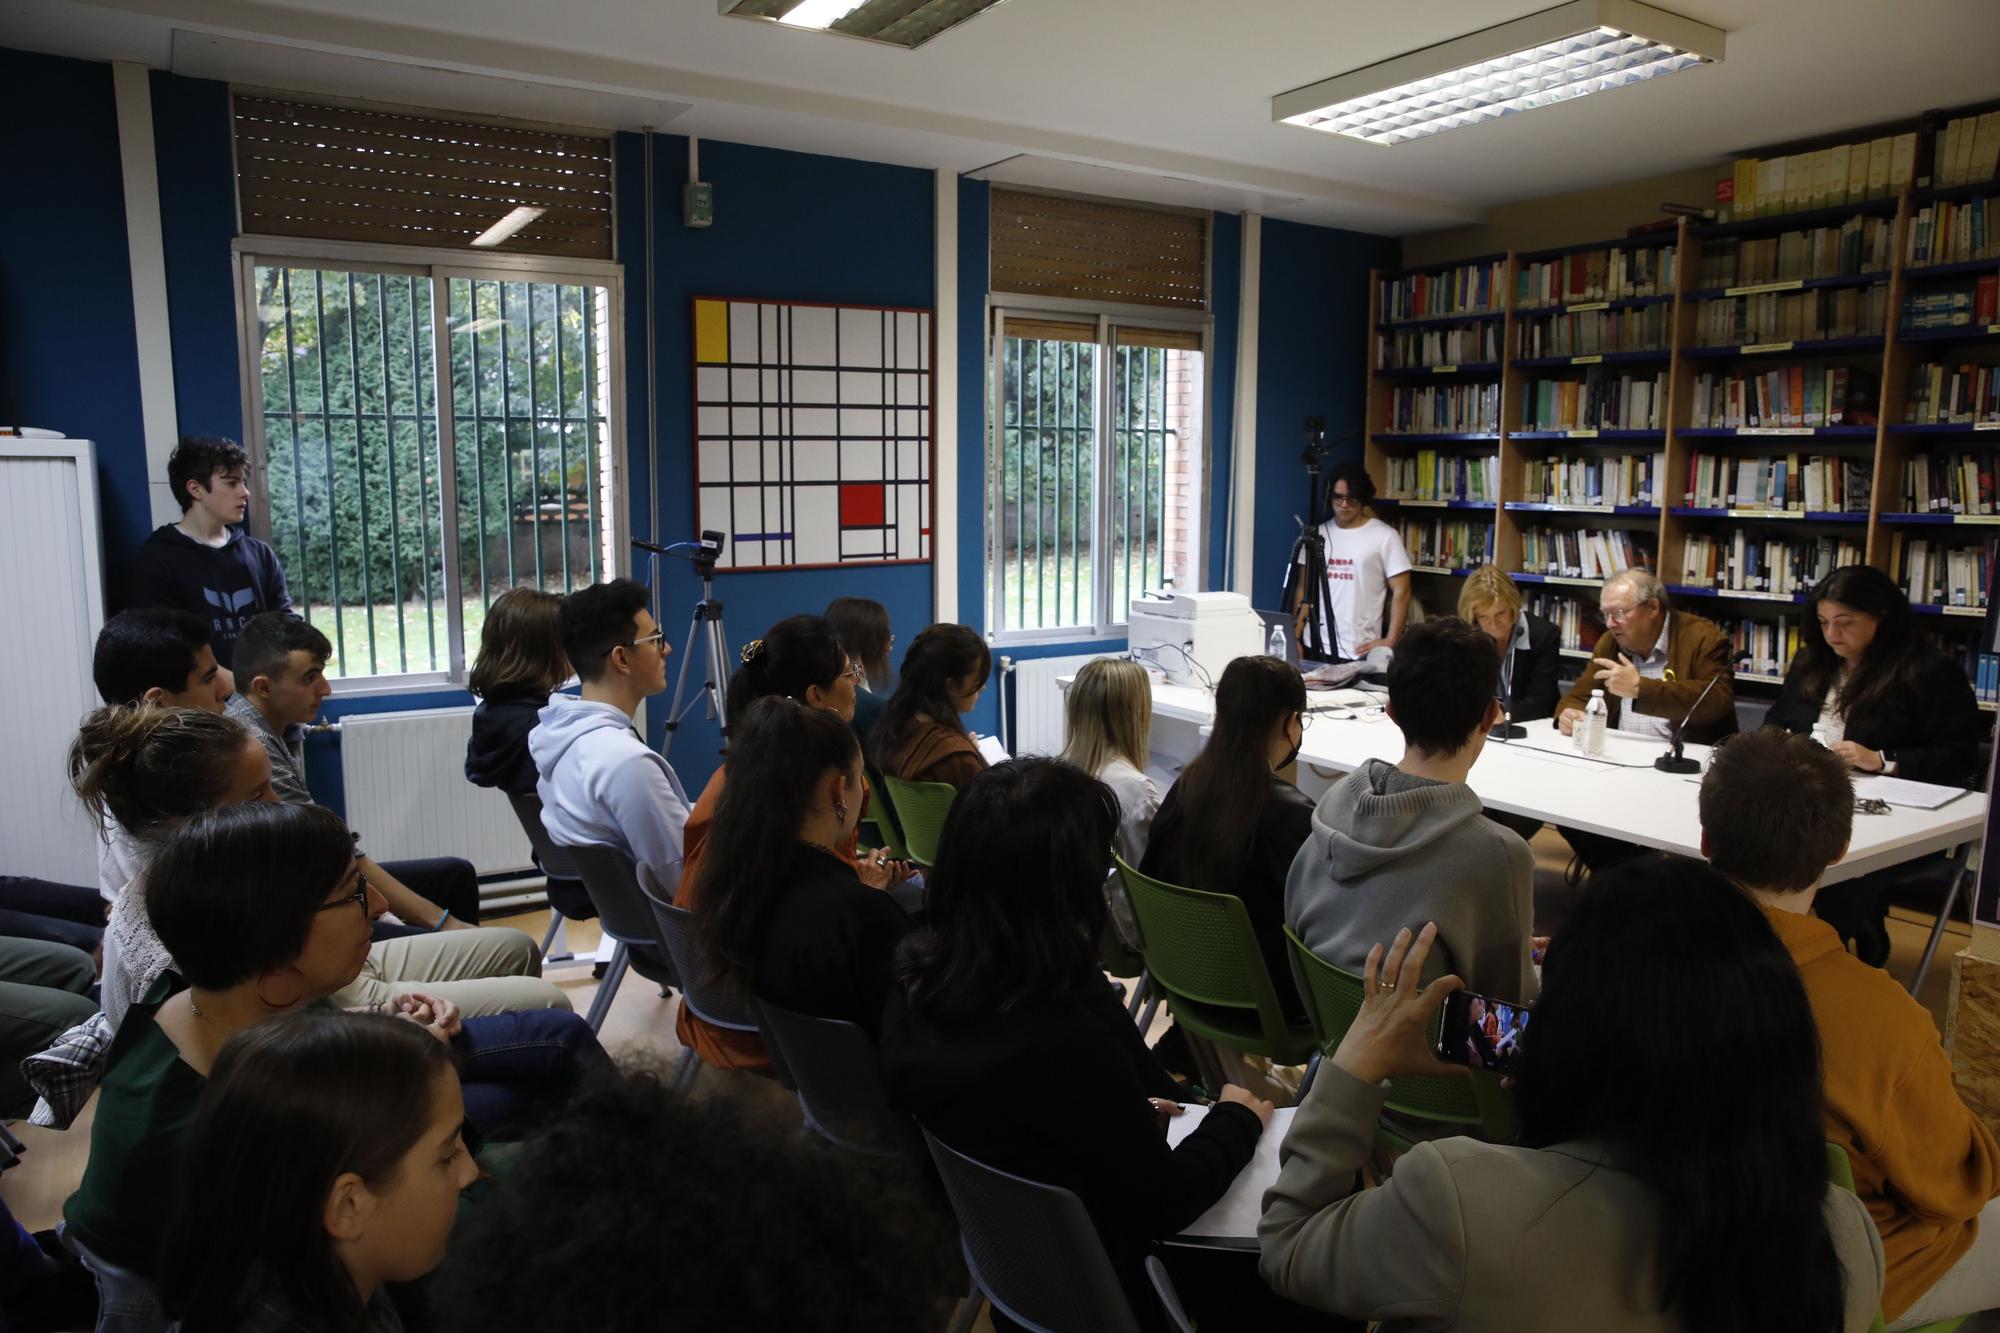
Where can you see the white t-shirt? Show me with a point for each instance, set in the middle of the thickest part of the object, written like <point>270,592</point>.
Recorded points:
<point>1138,800</point>
<point>1360,561</point>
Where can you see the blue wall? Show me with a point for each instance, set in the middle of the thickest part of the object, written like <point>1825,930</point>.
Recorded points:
<point>191,143</point>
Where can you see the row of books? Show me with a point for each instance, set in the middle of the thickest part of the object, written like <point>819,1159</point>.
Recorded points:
<point>1465,290</point>
<point>1984,673</point>
<point>1939,573</point>
<point>1858,245</point>
<point>1764,647</point>
<point>1430,475</point>
<point>1585,553</point>
<point>1440,347</point>
<point>1598,401</point>
<point>1949,232</point>
<point>1593,332</point>
<point>1844,174</point>
<point>1814,484</point>
<point>1446,408</point>
<point>1598,479</point>
<point>1742,561</point>
<point>1446,543</point>
<point>1782,397</point>
<point>1967,150</point>
<point>1953,395</point>
<point>1974,302</point>
<point>1770,317</point>
<point>1577,619</point>
<point>1948,483</point>
<point>1596,275</point>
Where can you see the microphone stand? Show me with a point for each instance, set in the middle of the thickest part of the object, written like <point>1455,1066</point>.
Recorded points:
<point>1673,761</point>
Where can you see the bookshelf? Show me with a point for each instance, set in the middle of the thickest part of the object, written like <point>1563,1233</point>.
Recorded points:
<point>1767,397</point>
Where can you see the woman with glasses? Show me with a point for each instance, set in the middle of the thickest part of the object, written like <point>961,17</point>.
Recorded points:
<point>1367,570</point>
<point>264,910</point>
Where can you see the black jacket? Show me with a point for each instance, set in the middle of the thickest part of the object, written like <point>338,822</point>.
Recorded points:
<point>1933,729</point>
<point>496,755</point>
<point>1282,829</point>
<point>1537,671</point>
<point>224,585</point>
<point>829,947</point>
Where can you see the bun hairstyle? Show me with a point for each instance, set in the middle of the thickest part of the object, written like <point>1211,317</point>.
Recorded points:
<point>794,654</point>
<point>149,768</point>
<point>939,655</point>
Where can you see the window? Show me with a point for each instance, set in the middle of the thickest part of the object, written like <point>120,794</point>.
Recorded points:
<point>401,506</point>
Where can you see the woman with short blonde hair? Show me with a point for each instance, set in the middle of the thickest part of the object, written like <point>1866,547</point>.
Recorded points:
<point>1485,588</point>
<point>1108,723</point>
<point>1530,647</point>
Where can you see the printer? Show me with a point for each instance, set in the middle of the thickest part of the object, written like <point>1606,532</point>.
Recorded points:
<point>1192,636</point>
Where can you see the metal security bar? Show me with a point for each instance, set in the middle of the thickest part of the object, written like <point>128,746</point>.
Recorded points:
<point>1048,512</point>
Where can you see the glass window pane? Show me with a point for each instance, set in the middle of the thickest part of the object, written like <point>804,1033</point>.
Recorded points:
<point>1045,575</point>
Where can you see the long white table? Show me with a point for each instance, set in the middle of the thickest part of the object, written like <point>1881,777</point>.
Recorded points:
<point>1542,776</point>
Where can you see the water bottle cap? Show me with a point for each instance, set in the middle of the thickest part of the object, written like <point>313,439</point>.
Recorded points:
<point>1597,694</point>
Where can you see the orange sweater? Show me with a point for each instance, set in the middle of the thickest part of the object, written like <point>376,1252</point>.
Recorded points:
<point>1923,1163</point>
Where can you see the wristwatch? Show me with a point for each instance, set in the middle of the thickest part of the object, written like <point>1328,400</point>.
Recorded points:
<point>1888,760</point>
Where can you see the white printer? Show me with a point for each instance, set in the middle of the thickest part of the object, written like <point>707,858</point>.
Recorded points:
<point>1192,636</point>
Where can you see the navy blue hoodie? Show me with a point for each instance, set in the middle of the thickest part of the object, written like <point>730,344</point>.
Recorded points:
<point>225,585</point>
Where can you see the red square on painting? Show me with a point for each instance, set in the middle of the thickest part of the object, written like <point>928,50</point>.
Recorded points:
<point>862,506</point>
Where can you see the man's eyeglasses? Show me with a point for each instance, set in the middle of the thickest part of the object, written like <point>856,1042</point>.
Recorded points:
<point>1344,501</point>
<point>359,898</point>
<point>1617,615</point>
<point>655,637</point>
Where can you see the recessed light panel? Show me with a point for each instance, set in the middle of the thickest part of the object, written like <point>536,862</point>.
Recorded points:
<point>905,23</point>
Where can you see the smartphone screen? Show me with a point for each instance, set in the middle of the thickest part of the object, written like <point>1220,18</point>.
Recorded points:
<point>1482,1032</point>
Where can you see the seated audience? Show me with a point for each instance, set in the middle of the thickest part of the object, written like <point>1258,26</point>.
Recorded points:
<point>150,769</point>
<point>1000,992</point>
<point>641,1209</point>
<point>265,909</point>
<point>1394,843</point>
<point>1108,728</point>
<point>326,1159</point>
<point>1776,810</point>
<point>1886,702</point>
<point>1232,822</point>
<point>920,737</point>
<point>280,683</point>
<point>1671,1170</point>
<point>44,992</point>
<point>862,626</point>
<point>1530,647</point>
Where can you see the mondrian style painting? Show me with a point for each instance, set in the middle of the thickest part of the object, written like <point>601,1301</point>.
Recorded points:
<point>813,432</point>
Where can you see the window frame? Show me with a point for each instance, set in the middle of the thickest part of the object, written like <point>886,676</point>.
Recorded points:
<point>441,267</point>
<point>1108,623</point>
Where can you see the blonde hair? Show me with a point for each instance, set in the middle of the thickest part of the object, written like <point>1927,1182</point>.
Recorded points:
<point>1487,586</point>
<point>521,644</point>
<point>1108,715</point>
<point>150,767</point>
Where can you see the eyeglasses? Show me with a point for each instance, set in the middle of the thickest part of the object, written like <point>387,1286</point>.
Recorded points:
<point>855,673</point>
<point>1344,501</point>
<point>655,637</point>
<point>1305,721</point>
<point>1618,615</point>
<point>359,898</point>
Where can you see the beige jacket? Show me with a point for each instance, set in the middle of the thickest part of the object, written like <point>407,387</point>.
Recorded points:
<point>1484,1237</point>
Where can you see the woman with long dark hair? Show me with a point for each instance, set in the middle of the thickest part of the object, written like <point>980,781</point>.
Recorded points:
<point>1884,701</point>
<point>1671,1173</point>
<point>326,1160</point>
<point>863,626</point>
<point>921,737</point>
<point>1232,823</point>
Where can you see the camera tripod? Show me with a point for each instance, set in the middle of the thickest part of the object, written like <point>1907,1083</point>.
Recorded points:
<point>705,632</point>
<point>1305,571</point>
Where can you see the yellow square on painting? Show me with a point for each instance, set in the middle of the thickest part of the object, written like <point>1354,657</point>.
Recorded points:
<point>711,332</point>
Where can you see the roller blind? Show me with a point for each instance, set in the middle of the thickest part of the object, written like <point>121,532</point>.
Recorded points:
<point>1080,248</point>
<point>343,173</point>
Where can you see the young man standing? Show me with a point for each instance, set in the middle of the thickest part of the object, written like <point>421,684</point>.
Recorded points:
<point>1366,566</point>
<point>1776,810</point>
<point>206,563</point>
<point>1396,845</point>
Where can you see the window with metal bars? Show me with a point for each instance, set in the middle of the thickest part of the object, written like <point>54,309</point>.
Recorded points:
<point>427,438</point>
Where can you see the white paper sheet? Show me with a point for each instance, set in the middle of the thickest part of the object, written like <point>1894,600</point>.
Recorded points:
<point>1901,791</point>
<point>1234,1215</point>
<point>992,750</point>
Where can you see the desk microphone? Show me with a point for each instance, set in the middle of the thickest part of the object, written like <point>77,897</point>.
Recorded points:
<point>1674,761</point>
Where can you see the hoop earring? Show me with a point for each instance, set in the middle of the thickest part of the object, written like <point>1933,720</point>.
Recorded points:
<point>287,1004</point>
<point>840,811</point>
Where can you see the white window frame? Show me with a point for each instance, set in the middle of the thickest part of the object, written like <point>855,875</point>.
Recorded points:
<point>1108,622</point>
<point>440,266</point>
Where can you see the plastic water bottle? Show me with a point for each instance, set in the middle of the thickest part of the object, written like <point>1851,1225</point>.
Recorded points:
<point>1276,647</point>
<point>1594,714</point>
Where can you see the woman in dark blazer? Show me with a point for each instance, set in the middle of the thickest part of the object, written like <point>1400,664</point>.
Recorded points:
<point>1886,702</point>
<point>1531,647</point>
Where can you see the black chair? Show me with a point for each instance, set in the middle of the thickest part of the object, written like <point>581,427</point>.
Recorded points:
<point>568,898</point>
<point>832,1069</point>
<point>717,1006</point>
<point>627,920</point>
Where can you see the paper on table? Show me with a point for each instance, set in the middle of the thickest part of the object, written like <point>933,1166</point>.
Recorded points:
<point>992,751</point>
<point>1901,791</point>
<point>1234,1216</point>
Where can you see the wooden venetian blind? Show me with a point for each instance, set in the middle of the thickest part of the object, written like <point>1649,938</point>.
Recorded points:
<point>341,173</point>
<point>1045,246</point>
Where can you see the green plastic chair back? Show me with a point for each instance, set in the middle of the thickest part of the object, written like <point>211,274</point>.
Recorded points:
<point>1201,952</point>
<point>920,808</point>
<point>1840,1171</point>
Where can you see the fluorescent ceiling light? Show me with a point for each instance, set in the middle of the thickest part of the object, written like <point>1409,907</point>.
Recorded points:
<point>904,23</point>
<point>1583,47</point>
<point>818,13</point>
<point>508,225</point>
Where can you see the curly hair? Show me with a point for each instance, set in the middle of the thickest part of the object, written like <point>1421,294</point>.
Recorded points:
<point>641,1210</point>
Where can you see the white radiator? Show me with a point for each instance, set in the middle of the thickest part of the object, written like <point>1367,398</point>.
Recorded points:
<point>1038,701</point>
<point>407,795</point>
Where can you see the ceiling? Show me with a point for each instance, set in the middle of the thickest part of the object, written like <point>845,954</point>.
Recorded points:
<point>1166,99</point>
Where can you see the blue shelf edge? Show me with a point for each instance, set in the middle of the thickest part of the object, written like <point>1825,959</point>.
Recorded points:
<point>1795,347</point>
<point>1695,590</point>
<point>1486,505</point>
<point>1556,578</point>
<point>1607,358</point>
<point>1955,333</point>
<point>1599,438</point>
<point>1942,519</point>
<point>1435,437</point>
<point>1952,268</point>
<point>1429,372</point>
<point>1945,428</point>
<point>1817,433</point>
<point>1651,240</point>
<point>1418,321</point>
<point>1807,217</point>
<point>1868,279</point>
<point>1750,513</point>
<point>1583,511</point>
<point>1607,303</point>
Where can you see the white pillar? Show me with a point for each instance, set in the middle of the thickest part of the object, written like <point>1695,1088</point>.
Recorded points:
<point>147,249</point>
<point>945,536</point>
<point>1243,439</point>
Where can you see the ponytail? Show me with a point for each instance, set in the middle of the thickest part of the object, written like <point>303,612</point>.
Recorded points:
<point>938,656</point>
<point>150,767</point>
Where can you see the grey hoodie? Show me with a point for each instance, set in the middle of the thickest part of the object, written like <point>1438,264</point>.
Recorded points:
<point>601,786</point>
<point>1389,850</point>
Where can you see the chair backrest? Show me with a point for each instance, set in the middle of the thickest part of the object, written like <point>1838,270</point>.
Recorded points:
<point>553,857</point>
<point>127,1302</point>
<point>834,1071</point>
<point>1333,997</point>
<point>882,817</point>
<point>716,1005</point>
<point>920,808</point>
<point>613,884</point>
<point>1200,947</point>
<point>1032,1248</point>
<point>1170,1299</point>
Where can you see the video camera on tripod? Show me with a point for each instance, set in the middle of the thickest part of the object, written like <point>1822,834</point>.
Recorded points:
<point>705,629</point>
<point>1305,574</point>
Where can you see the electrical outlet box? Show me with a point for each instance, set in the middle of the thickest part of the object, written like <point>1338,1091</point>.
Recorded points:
<point>698,204</point>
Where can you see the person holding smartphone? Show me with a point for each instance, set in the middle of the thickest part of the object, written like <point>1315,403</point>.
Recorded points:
<point>1647,1193</point>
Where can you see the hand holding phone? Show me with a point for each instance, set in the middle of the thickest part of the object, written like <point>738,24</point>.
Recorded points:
<point>1481,1032</point>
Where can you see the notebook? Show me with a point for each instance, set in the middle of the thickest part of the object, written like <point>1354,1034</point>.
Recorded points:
<point>1234,1216</point>
<point>1901,791</point>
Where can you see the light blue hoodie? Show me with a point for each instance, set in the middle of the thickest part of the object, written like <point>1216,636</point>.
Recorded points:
<point>601,786</point>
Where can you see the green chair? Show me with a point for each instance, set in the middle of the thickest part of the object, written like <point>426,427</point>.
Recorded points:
<point>879,828</point>
<point>920,808</point>
<point>1840,1171</point>
<point>1202,955</point>
<point>1475,1105</point>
